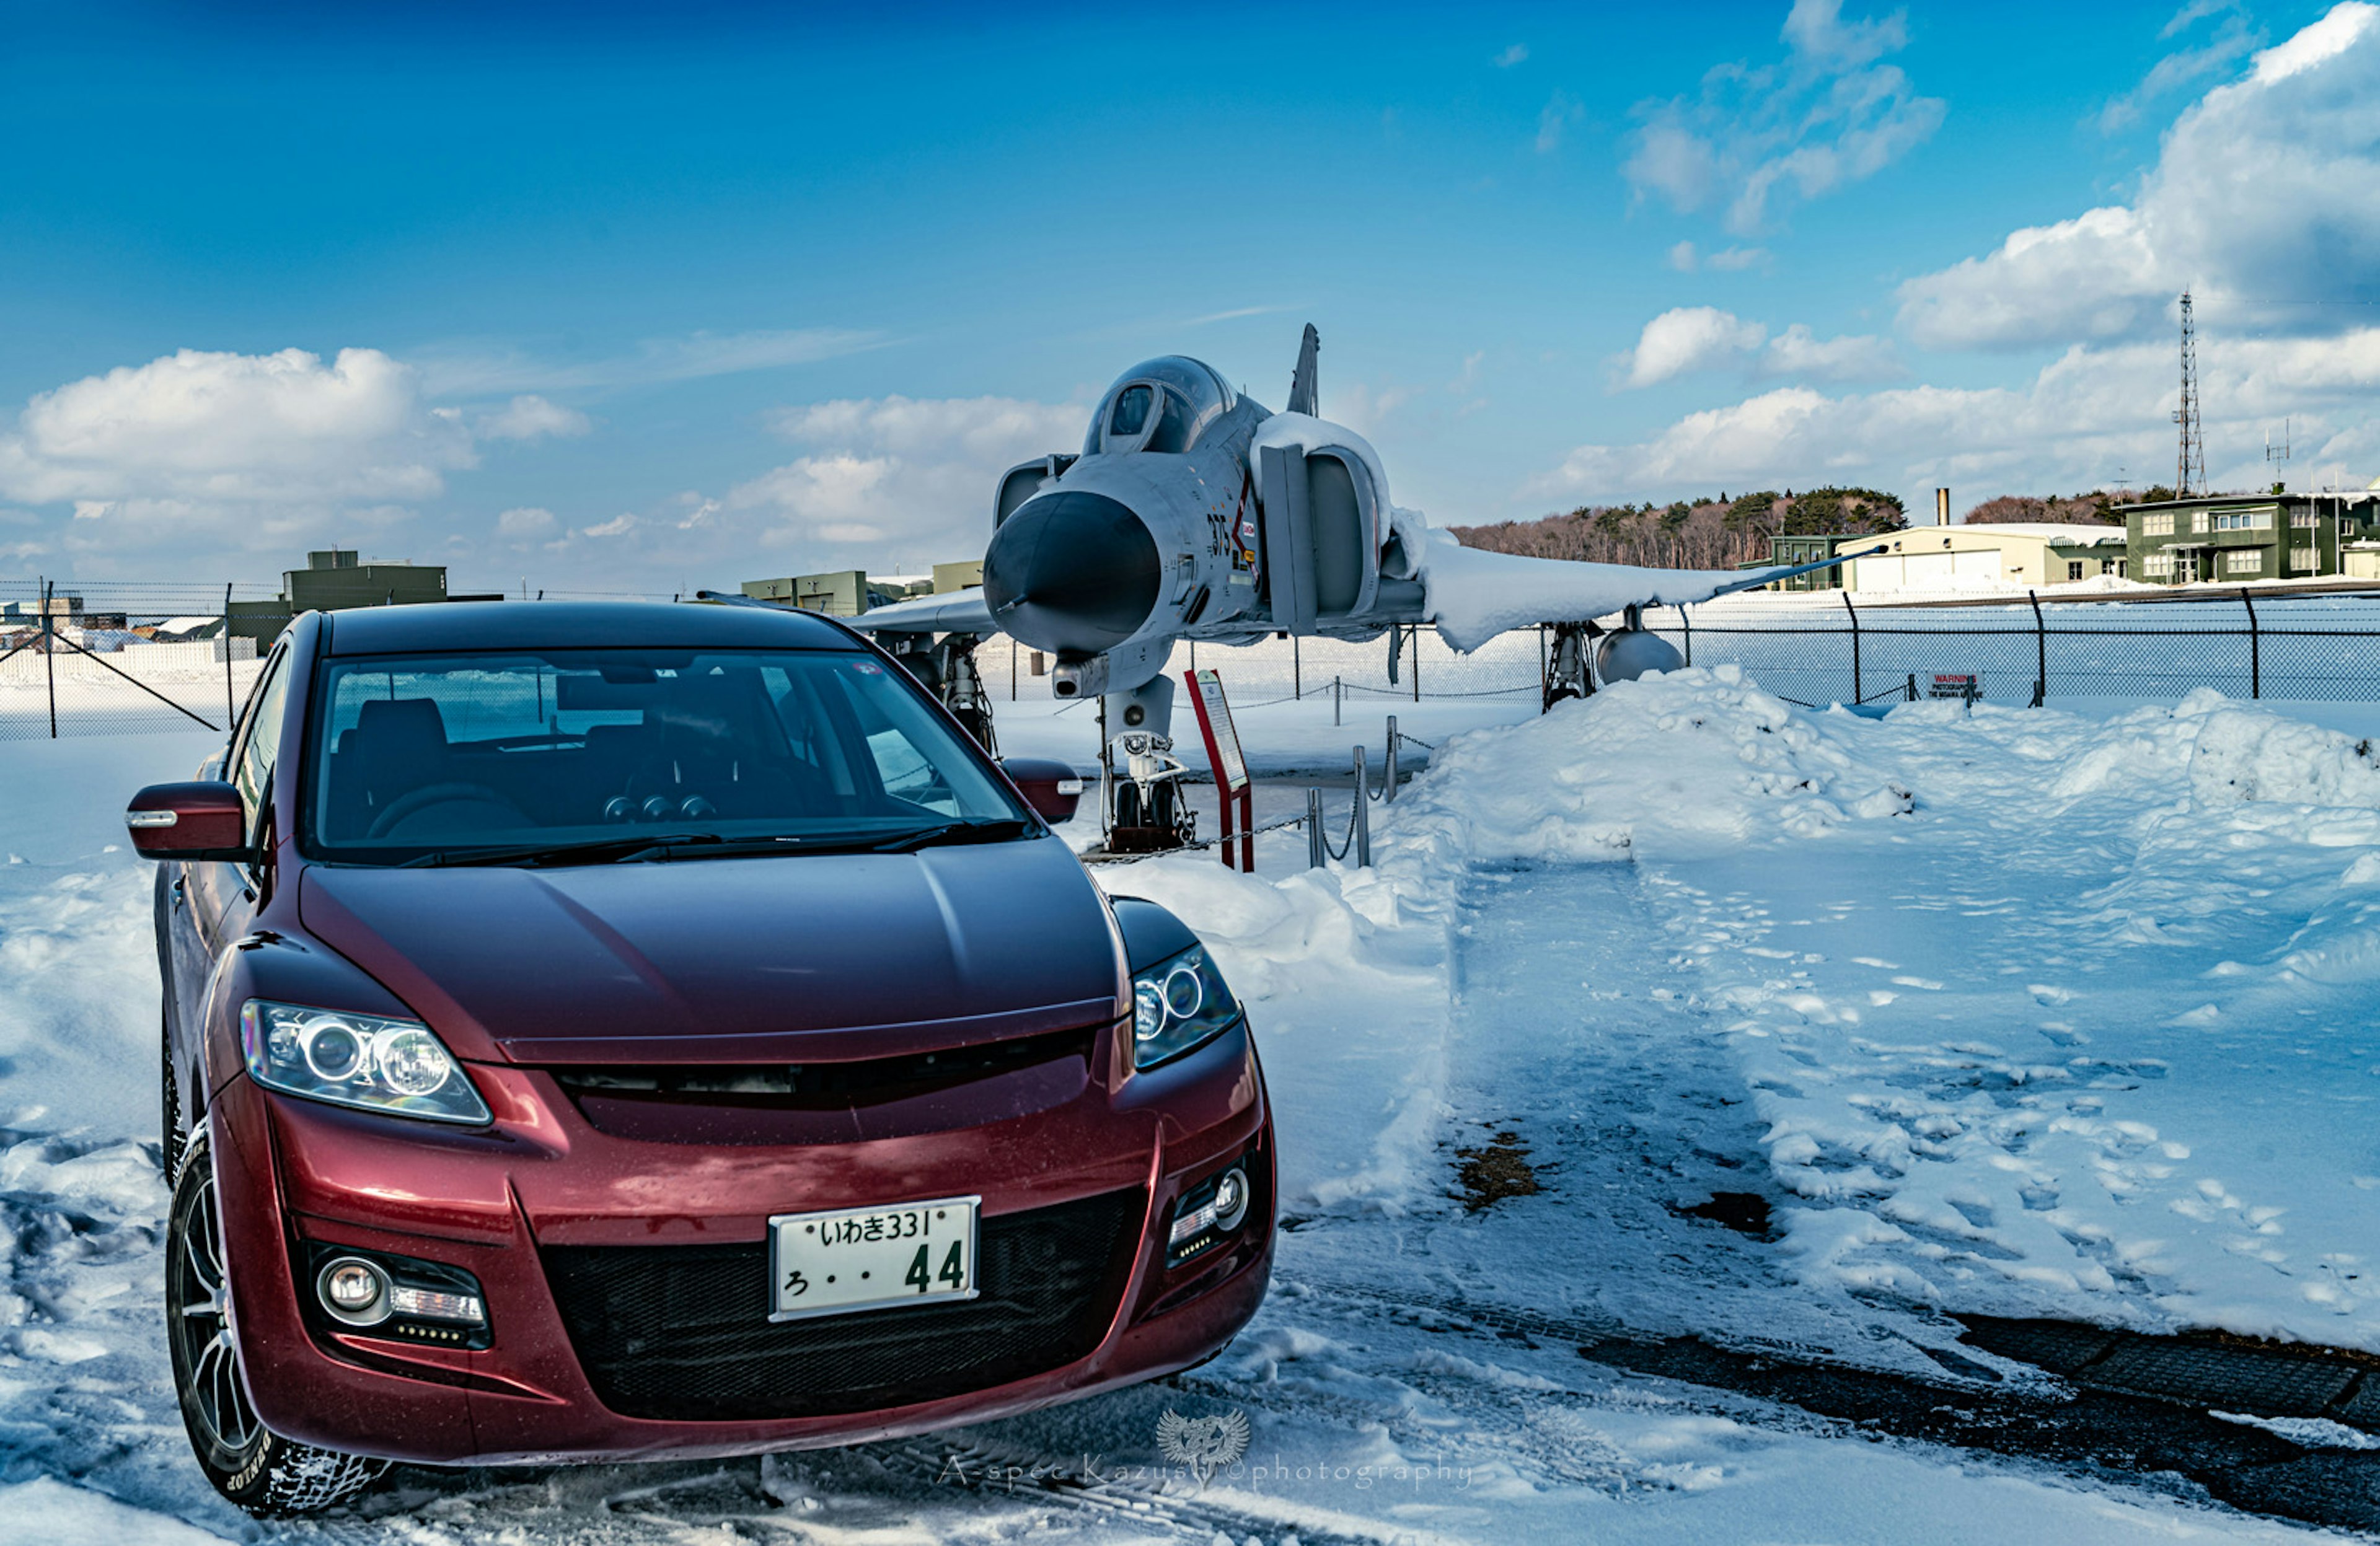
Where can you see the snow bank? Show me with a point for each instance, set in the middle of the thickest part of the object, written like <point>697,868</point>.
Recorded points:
<point>1673,766</point>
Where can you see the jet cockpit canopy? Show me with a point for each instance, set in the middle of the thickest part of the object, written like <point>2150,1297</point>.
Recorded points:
<point>1161,405</point>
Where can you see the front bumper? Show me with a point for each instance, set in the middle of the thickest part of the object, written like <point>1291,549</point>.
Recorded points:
<point>509,1203</point>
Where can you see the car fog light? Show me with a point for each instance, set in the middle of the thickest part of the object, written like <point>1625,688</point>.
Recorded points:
<point>1231,1198</point>
<point>1225,1204</point>
<point>354,1291</point>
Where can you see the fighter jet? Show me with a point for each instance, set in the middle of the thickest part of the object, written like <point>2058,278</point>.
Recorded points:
<point>1194,512</point>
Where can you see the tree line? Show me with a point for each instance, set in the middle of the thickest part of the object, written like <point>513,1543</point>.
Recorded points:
<point>1710,533</point>
<point>1720,533</point>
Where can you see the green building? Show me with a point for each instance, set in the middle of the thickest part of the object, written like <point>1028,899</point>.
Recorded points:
<point>1810,547</point>
<point>839,593</point>
<point>2236,537</point>
<point>334,579</point>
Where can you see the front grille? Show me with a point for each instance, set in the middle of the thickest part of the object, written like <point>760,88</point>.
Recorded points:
<point>683,1333</point>
<point>809,1103</point>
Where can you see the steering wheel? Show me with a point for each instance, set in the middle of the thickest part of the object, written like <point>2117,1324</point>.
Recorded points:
<point>428,795</point>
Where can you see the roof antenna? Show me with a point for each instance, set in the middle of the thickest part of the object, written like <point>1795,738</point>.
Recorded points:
<point>1302,392</point>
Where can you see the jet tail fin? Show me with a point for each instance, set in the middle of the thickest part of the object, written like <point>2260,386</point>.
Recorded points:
<point>1304,397</point>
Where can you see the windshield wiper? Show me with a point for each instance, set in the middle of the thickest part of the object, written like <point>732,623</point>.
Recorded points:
<point>968,831</point>
<point>600,851</point>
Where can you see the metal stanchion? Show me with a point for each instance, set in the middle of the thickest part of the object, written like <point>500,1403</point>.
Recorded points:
<point>1390,791</point>
<point>1338,697</point>
<point>1316,844</point>
<point>1362,815</point>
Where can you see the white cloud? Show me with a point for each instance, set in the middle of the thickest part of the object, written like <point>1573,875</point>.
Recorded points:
<point>224,452</point>
<point>2265,200</point>
<point>1685,259</point>
<point>1853,357</point>
<point>477,371</point>
<point>1517,54</point>
<point>1828,114</point>
<point>2184,67</point>
<point>618,526</point>
<point>2087,413</point>
<point>918,473</point>
<point>526,523</point>
<point>1560,112</point>
<point>1692,338</point>
<point>529,417</point>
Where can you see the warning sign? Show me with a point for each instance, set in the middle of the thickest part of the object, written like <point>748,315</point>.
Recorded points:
<point>1222,740</point>
<point>1965,686</point>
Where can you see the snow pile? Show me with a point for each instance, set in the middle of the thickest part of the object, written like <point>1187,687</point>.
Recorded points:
<point>1690,763</point>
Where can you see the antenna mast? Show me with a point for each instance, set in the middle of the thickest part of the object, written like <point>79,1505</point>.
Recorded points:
<point>2190,471</point>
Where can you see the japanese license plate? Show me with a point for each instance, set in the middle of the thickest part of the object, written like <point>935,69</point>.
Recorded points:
<point>831,1264</point>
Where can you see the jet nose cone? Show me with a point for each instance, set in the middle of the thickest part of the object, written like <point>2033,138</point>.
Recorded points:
<point>1071,571</point>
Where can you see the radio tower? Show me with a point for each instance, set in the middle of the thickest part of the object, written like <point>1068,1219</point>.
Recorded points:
<point>2190,472</point>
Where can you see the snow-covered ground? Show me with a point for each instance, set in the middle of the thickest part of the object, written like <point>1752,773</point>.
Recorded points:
<point>2019,1011</point>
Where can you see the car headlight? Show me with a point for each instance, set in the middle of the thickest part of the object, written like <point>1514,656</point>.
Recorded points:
<point>396,1066</point>
<point>1177,1005</point>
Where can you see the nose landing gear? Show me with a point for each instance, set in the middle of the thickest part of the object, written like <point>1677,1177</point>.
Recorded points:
<point>1142,804</point>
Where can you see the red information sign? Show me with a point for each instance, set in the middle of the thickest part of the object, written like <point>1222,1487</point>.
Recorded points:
<point>1231,767</point>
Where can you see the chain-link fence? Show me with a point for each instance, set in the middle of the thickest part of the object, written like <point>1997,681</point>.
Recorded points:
<point>1823,650</point>
<point>97,659</point>
<point>110,658</point>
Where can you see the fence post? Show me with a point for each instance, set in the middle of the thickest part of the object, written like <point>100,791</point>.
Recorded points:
<point>2255,648</point>
<point>1856,685</point>
<point>1314,838</point>
<point>1686,619</point>
<point>50,656</point>
<point>2040,654</point>
<point>1012,666</point>
<point>231,708</point>
<point>1913,687</point>
<point>1296,670</point>
<point>1337,698</point>
<point>1391,791</point>
<point>1417,670</point>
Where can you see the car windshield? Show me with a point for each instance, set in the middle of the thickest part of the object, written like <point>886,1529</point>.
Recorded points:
<point>435,757</point>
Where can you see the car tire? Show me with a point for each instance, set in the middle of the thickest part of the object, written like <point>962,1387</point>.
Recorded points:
<point>267,1475</point>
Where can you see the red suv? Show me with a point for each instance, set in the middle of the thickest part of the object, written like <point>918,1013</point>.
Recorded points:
<point>596,1031</point>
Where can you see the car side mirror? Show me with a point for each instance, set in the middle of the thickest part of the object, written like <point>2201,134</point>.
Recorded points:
<point>1052,789</point>
<point>201,820</point>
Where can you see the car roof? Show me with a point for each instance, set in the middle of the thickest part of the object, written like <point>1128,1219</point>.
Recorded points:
<point>470,625</point>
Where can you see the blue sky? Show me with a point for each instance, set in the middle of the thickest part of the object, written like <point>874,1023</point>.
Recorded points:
<point>610,299</point>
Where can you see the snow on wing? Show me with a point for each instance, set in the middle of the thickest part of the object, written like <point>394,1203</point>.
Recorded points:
<point>960,612</point>
<point>1474,594</point>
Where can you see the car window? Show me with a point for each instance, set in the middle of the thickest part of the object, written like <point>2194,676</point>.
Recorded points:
<point>259,743</point>
<point>498,750</point>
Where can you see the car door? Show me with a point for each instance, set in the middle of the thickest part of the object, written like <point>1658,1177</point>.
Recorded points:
<point>222,895</point>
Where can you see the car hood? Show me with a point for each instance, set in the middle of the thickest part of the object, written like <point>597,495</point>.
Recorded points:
<point>808,958</point>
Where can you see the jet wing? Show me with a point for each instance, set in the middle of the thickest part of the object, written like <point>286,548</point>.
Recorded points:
<point>1473,595</point>
<point>958,612</point>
